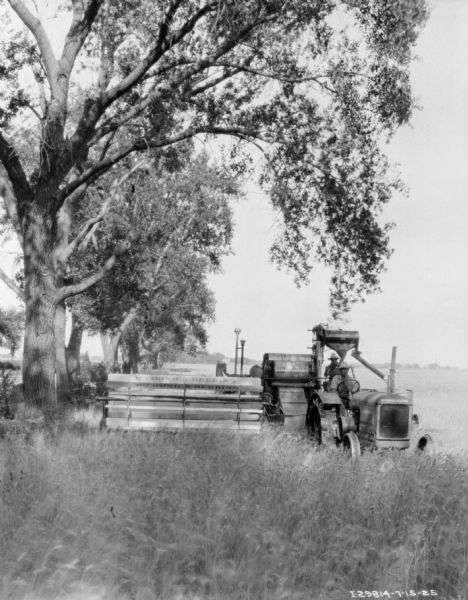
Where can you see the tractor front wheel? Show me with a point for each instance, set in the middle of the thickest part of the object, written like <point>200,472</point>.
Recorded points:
<point>425,445</point>
<point>351,445</point>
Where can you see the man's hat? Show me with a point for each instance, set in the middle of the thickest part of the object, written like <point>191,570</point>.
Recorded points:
<point>344,365</point>
<point>333,357</point>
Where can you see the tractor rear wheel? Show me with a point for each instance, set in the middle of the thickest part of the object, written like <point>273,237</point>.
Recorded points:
<point>313,423</point>
<point>351,445</point>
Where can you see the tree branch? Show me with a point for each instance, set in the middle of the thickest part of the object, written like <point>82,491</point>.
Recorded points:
<point>113,124</point>
<point>198,67</point>
<point>85,230</point>
<point>90,224</point>
<point>132,313</point>
<point>79,30</point>
<point>162,256</point>
<point>107,55</point>
<point>246,69</point>
<point>64,223</point>
<point>213,82</point>
<point>162,46</point>
<point>107,145</point>
<point>77,288</point>
<point>9,202</point>
<point>104,165</point>
<point>168,18</point>
<point>35,112</point>
<point>12,285</point>
<point>36,28</point>
<point>86,135</point>
<point>116,334</point>
<point>10,160</point>
<point>143,144</point>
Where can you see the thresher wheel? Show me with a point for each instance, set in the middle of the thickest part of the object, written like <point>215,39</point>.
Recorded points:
<point>425,445</point>
<point>351,445</point>
<point>313,422</point>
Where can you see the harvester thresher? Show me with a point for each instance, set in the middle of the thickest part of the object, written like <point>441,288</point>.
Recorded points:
<point>293,391</point>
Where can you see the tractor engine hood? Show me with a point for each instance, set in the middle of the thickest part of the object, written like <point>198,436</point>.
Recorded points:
<point>372,398</point>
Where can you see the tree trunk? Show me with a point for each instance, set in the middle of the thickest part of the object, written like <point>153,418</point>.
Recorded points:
<point>109,350</point>
<point>133,347</point>
<point>73,348</point>
<point>156,359</point>
<point>61,373</point>
<point>40,301</point>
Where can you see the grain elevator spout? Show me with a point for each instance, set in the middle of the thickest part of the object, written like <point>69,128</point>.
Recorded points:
<point>357,355</point>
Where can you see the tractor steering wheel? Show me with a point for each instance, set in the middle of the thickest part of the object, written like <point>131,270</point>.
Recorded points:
<point>350,386</point>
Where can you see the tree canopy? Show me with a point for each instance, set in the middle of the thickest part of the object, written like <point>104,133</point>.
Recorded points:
<point>314,86</point>
<point>174,242</point>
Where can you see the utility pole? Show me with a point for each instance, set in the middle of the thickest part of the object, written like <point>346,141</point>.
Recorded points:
<point>237,332</point>
<point>242,356</point>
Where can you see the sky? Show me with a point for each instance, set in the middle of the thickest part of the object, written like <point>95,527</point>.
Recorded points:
<point>423,307</point>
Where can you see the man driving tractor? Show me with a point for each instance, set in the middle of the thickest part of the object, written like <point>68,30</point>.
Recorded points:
<point>341,376</point>
<point>343,383</point>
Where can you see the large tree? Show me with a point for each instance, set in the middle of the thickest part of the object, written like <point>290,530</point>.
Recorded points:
<point>190,221</point>
<point>175,318</point>
<point>314,85</point>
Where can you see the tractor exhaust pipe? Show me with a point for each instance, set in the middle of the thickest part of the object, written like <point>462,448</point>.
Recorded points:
<point>391,379</point>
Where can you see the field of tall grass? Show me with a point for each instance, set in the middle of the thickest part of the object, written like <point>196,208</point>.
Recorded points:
<point>90,515</point>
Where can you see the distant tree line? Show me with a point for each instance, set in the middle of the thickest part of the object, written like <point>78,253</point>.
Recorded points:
<point>387,365</point>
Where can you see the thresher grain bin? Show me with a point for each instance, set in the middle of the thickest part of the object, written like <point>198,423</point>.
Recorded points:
<point>286,380</point>
<point>296,385</point>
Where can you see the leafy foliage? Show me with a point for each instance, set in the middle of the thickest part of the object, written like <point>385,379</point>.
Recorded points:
<point>316,98</point>
<point>177,317</point>
<point>11,328</point>
<point>179,227</point>
<point>7,388</point>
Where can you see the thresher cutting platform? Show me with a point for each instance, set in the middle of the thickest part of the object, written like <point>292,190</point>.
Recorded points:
<point>147,401</point>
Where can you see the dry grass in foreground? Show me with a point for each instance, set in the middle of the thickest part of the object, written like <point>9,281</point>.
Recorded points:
<point>86,515</point>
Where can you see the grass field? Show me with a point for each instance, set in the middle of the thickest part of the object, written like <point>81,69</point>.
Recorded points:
<point>90,516</point>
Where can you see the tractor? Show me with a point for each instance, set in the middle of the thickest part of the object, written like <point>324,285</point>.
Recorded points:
<point>298,394</point>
